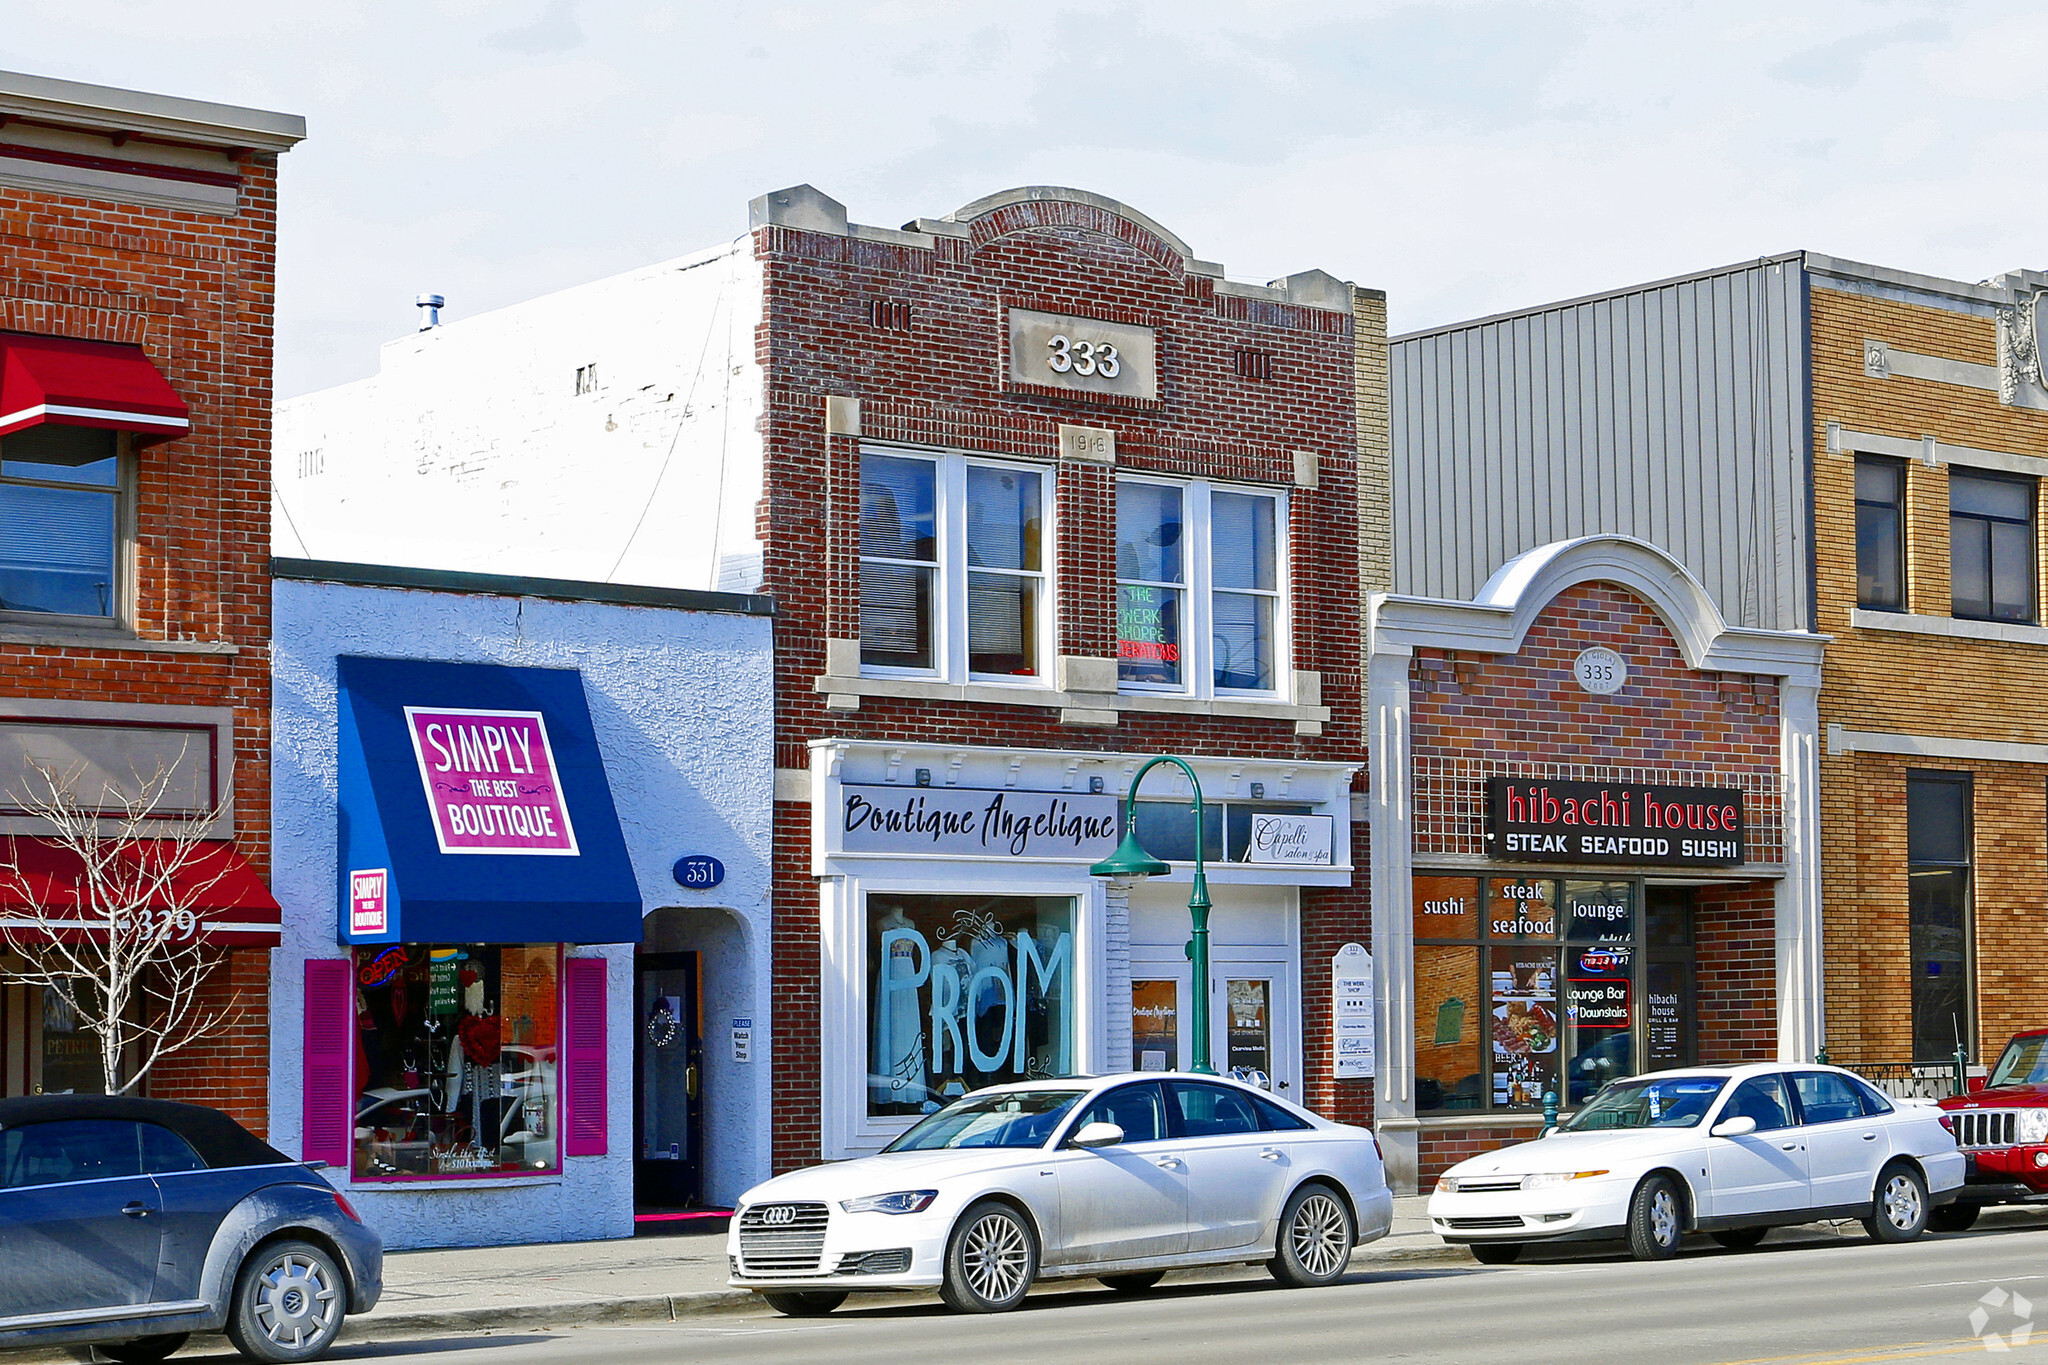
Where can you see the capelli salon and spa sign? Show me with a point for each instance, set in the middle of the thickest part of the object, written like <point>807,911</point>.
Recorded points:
<point>1540,820</point>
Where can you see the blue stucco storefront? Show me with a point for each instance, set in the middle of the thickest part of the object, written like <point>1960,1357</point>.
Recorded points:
<point>482,792</point>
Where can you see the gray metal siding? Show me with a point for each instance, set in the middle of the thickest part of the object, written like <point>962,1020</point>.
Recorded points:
<point>1674,412</point>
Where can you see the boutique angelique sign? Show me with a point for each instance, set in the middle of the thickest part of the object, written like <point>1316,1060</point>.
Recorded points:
<point>967,823</point>
<point>1541,820</point>
<point>491,781</point>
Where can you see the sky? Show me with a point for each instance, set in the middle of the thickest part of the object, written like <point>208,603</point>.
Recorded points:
<point>1466,157</point>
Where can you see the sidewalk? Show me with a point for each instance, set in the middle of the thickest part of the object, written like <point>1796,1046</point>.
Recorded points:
<point>672,1274</point>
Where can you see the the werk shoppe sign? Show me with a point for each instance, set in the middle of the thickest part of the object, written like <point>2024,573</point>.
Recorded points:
<point>969,823</point>
<point>1538,820</point>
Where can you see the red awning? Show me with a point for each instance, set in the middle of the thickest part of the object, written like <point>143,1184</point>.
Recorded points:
<point>229,903</point>
<point>86,384</point>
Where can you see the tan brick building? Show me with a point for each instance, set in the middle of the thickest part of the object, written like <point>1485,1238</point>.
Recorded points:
<point>1930,434</point>
<point>137,246</point>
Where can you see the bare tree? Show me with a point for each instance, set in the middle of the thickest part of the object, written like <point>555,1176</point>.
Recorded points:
<point>121,943</point>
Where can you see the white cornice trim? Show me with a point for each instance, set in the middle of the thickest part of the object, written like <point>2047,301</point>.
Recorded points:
<point>1498,618</point>
<point>75,104</point>
<point>1842,740</point>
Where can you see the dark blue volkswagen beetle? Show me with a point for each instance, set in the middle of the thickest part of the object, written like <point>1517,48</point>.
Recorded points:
<point>131,1223</point>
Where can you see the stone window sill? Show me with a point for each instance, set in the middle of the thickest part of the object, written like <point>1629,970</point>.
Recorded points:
<point>990,694</point>
<point>1909,623</point>
<point>119,641</point>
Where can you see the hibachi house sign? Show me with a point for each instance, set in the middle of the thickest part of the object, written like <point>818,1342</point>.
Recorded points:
<point>1545,821</point>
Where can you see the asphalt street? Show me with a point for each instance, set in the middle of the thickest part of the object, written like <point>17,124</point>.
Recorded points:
<point>1796,1304</point>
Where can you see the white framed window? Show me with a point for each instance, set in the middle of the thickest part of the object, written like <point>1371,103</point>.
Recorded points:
<point>65,504</point>
<point>1201,599</point>
<point>953,567</point>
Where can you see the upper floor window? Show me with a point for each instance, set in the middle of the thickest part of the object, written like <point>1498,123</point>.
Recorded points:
<point>1880,533</point>
<point>60,520</point>
<point>1200,606</point>
<point>952,566</point>
<point>1991,545</point>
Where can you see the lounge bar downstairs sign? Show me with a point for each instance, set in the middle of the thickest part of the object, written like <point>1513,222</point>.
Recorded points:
<point>1543,820</point>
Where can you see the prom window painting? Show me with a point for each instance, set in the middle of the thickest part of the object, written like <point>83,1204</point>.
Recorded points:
<point>964,992</point>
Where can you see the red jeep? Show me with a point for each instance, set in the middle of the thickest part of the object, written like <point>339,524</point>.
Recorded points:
<point>2003,1129</point>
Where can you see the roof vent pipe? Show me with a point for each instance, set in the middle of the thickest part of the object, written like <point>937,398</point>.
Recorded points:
<point>430,306</point>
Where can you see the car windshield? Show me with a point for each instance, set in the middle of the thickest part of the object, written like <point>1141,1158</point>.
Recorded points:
<point>2025,1063</point>
<point>1649,1102</point>
<point>1009,1118</point>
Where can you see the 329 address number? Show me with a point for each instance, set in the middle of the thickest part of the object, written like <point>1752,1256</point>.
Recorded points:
<point>1082,357</point>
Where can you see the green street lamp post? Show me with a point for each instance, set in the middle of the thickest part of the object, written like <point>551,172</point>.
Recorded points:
<point>1132,863</point>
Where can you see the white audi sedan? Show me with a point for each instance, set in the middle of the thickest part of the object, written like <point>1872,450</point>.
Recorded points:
<point>1119,1178</point>
<point>1729,1150</point>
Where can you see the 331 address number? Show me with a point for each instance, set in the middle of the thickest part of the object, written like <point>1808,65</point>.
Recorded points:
<point>1082,357</point>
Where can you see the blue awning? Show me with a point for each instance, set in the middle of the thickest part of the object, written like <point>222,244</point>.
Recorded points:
<point>474,808</point>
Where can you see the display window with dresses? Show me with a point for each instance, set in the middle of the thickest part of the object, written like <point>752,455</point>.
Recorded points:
<point>457,1060</point>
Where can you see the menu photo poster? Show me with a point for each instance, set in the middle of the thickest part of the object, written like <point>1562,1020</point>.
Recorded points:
<point>1525,1027</point>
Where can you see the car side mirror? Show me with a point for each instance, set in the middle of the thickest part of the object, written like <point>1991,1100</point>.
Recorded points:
<point>1739,1126</point>
<point>1098,1135</point>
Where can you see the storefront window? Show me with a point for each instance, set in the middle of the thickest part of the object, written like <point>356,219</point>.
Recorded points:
<point>966,991</point>
<point>456,1061</point>
<point>1447,1028</point>
<point>1526,986</point>
<point>71,1051</point>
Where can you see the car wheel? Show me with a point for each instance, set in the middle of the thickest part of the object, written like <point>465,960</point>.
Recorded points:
<point>991,1260</point>
<point>1656,1220</point>
<point>1956,1217</point>
<point>1137,1282</point>
<point>1316,1234</point>
<point>288,1304</point>
<point>1740,1239</point>
<point>805,1303</point>
<point>143,1350</point>
<point>1901,1211</point>
<point>1495,1253</point>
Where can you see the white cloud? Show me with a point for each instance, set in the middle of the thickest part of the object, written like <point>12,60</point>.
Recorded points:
<point>1466,155</point>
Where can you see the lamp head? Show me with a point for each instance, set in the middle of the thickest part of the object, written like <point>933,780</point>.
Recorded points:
<point>1130,862</point>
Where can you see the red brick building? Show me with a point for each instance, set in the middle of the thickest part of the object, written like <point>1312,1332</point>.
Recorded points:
<point>1594,823</point>
<point>137,245</point>
<point>1047,495</point>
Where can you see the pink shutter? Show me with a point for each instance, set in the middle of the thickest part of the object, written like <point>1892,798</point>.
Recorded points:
<point>586,1116</point>
<point>327,1129</point>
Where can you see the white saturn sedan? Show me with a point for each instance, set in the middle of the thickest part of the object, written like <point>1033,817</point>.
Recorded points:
<point>1119,1178</point>
<point>1729,1150</point>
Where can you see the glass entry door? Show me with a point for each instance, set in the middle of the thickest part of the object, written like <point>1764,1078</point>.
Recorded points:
<point>1253,1025</point>
<point>668,1164</point>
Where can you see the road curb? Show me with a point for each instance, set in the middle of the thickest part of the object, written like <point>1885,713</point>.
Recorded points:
<point>718,1302</point>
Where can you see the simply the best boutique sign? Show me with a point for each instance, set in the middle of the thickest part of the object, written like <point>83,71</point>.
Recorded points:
<point>968,823</point>
<point>491,781</point>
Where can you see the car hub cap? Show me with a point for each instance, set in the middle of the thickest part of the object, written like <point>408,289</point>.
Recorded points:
<point>1318,1235</point>
<point>1901,1203</point>
<point>993,1256</point>
<point>294,1301</point>
<point>1664,1217</point>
